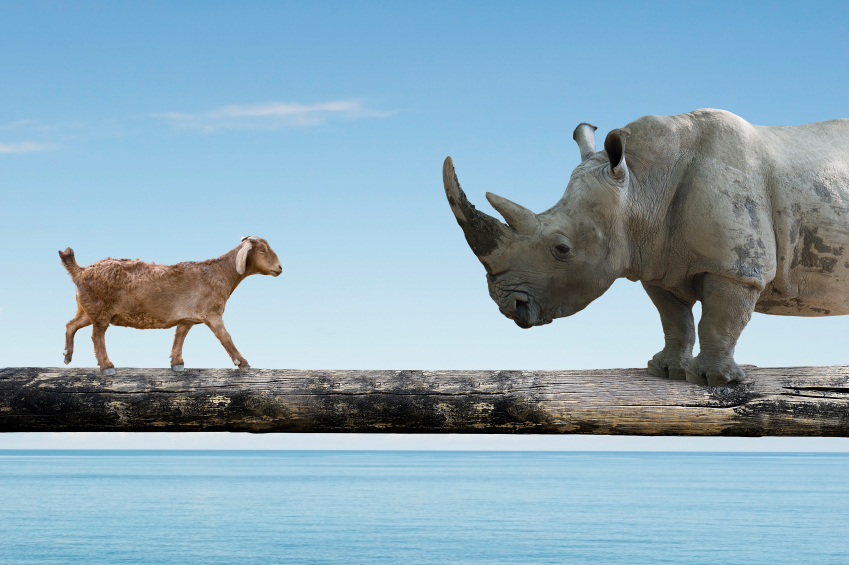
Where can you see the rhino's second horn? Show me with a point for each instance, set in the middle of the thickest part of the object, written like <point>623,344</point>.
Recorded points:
<point>518,217</point>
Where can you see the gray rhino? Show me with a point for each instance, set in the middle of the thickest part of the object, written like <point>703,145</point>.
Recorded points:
<point>700,206</point>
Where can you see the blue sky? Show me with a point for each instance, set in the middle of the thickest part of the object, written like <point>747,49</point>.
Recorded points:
<point>165,130</point>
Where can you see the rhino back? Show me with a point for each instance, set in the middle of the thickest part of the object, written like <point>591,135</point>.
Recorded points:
<point>808,182</point>
<point>715,194</point>
<point>699,200</point>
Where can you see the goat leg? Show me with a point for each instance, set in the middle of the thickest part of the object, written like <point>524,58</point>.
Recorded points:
<point>177,349</point>
<point>80,321</point>
<point>216,324</point>
<point>98,336</point>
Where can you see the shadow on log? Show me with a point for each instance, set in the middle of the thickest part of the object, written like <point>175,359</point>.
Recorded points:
<point>798,401</point>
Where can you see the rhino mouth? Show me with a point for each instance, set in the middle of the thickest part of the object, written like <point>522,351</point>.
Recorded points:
<point>518,305</point>
<point>525,312</point>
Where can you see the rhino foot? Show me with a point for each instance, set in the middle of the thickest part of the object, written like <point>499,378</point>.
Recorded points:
<point>670,364</point>
<point>713,371</point>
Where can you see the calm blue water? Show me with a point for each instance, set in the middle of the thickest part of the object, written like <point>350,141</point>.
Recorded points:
<point>422,507</point>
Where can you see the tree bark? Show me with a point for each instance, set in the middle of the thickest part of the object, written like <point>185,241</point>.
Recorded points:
<point>797,401</point>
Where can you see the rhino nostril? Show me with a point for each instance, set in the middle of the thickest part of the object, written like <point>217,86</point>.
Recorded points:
<point>522,309</point>
<point>522,315</point>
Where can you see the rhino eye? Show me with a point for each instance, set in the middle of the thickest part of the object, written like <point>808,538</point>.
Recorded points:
<point>561,252</point>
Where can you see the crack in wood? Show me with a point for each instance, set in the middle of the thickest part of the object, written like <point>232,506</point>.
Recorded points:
<point>837,389</point>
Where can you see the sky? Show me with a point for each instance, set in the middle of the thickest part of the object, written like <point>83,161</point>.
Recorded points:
<point>167,130</point>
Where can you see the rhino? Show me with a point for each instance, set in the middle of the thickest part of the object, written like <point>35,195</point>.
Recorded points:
<point>696,207</point>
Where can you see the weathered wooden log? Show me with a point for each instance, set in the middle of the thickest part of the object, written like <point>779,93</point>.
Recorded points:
<point>798,401</point>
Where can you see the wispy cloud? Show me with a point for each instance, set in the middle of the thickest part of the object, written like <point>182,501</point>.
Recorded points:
<point>18,124</point>
<point>272,115</point>
<point>26,147</point>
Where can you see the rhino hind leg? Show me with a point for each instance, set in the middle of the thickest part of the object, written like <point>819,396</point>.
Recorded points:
<point>727,307</point>
<point>679,333</point>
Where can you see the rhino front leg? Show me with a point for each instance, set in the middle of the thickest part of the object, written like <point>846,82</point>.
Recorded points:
<point>679,333</point>
<point>727,307</point>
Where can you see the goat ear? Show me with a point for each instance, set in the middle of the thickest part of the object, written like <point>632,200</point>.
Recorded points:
<point>242,256</point>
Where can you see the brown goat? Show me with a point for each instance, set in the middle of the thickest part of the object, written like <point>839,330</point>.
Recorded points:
<point>135,294</point>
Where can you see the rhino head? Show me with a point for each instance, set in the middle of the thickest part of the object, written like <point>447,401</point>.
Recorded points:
<point>545,266</point>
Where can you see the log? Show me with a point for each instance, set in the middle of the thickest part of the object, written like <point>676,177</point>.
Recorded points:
<point>798,401</point>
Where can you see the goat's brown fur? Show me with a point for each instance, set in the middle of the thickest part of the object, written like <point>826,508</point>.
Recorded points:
<point>135,294</point>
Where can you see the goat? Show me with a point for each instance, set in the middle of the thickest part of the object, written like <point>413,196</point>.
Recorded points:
<point>135,294</point>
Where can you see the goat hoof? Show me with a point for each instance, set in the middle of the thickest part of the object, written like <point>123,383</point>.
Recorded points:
<point>244,367</point>
<point>67,361</point>
<point>108,372</point>
<point>178,368</point>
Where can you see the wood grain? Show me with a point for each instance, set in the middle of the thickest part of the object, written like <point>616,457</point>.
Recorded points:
<point>796,401</point>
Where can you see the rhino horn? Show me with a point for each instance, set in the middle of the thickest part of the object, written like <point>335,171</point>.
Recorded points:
<point>483,232</point>
<point>518,217</point>
<point>585,136</point>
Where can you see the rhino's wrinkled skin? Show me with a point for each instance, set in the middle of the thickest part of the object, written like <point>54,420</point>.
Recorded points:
<point>700,206</point>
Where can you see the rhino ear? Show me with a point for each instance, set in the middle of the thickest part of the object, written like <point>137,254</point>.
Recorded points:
<point>614,145</point>
<point>584,135</point>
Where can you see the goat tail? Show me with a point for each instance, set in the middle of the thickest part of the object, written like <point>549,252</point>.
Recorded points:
<point>70,262</point>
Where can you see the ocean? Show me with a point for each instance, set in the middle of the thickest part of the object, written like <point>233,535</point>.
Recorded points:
<point>351,507</point>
